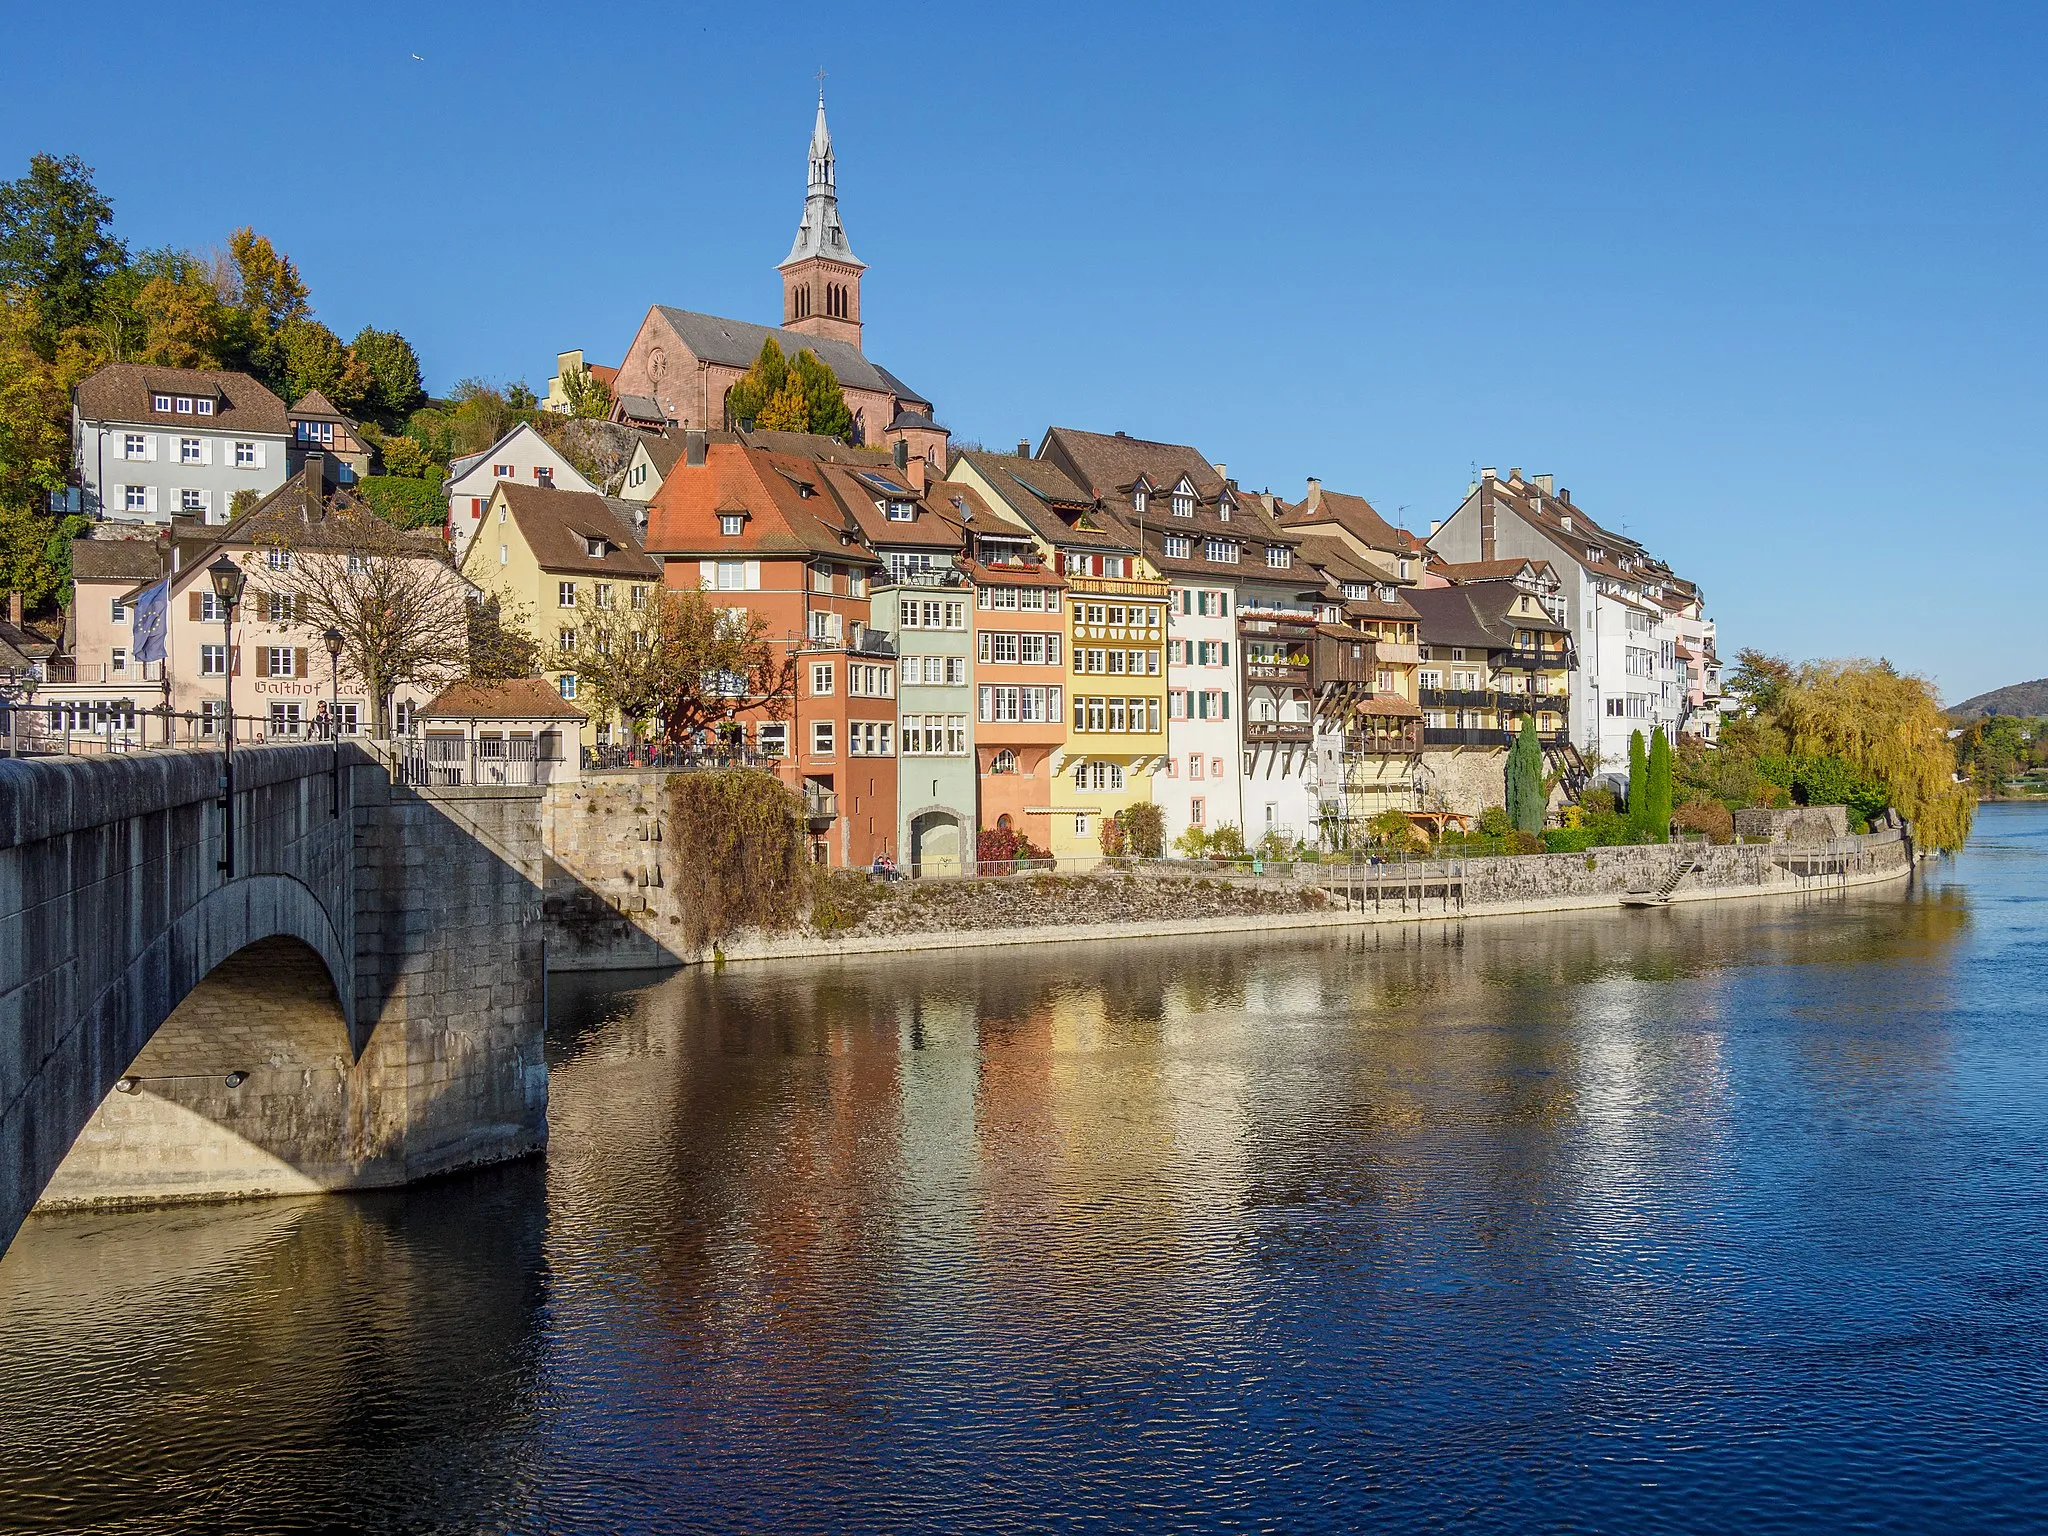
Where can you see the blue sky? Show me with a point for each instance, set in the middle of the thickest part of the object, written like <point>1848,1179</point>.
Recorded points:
<point>1762,284</point>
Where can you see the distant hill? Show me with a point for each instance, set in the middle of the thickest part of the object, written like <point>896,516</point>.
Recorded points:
<point>2030,699</point>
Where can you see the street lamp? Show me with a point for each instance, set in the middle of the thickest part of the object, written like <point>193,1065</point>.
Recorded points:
<point>333,639</point>
<point>227,590</point>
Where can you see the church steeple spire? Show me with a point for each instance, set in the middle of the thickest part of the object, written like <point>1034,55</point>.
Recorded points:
<point>821,275</point>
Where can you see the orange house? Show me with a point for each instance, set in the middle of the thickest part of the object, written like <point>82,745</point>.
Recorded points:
<point>767,532</point>
<point>1020,675</point>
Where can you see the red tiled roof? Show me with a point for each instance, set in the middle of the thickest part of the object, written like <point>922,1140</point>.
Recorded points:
<point>519,698</point>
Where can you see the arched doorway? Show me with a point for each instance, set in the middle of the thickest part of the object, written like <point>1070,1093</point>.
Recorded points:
<point>935,843</point>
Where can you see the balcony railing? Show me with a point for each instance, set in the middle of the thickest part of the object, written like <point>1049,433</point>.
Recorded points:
<point>1564,659</point>
<point>1485,736</point>
<point>1493,698</point>
<point>1292,672</point>
<point>821,807</point>
<point>1279,730</point>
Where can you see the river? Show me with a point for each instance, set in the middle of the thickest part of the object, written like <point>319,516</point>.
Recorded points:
<point>1727,1216</point>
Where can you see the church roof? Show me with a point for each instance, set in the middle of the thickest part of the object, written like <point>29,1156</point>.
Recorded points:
<point>736,343</point>
<point>821,234</point>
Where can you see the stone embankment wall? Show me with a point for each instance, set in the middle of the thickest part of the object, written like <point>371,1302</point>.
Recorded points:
<point>1602,876</point>
<point>606,898</point>
<point>609,900</point>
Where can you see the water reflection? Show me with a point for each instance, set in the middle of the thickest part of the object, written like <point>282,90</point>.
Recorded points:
<point>1710,1216</point>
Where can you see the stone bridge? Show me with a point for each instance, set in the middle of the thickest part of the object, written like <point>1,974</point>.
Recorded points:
<point>362,1004</point>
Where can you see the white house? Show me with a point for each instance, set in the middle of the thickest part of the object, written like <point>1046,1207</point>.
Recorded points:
<point>522,455</point>
<point>1619,602</point>
<point>150,443</point>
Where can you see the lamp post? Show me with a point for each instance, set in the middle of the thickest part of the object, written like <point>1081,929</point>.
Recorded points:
<point>333,639</point>
<point>226,577</point>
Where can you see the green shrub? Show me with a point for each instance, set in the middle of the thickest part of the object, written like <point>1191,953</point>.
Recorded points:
<point>1568,840</point>
<point>1144,830</point>
<point>403,502</point>
<point>1519,841</point>
<point>1494,822</point>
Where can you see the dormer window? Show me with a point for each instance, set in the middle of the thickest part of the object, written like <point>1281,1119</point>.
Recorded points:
<point>596,548</point>
<point>901,511</point>
<point>161,402</point>
<point>1138,501</point>
<point>1183,504</point>
<point>1179,546</point>
<point>202,407</point>
<point>732,524</point>
<point>184,405</point>
<point>1386,594</point>
<point>1279,556</point>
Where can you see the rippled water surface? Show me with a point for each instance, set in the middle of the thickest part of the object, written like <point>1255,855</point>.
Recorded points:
<point>1701,1220</point>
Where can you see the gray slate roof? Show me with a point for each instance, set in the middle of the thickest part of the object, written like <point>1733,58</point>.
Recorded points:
<point>737,343</point>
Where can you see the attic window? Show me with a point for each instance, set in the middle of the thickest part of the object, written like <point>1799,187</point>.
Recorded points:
<point>1138,500</point>
<point>203,407</point>
<point>596,548</point>
<point>1183,504</point>
<point>161,403</point>
<point>901,512</point>
<point>1279,556</point>
<point>732,524</point>
<point>184,405</point>
<point>1386,594</point>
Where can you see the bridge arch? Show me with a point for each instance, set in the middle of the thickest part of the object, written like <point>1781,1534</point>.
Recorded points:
<point>371,976</point>
<point>102,1041</point>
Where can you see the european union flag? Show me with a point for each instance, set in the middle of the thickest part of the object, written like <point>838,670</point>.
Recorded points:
<point>152,609</point>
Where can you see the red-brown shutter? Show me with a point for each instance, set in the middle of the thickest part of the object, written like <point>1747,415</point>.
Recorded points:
<point>263,661</point>
<point>194,595</point>
<point>235,660</point>
<point>299,661</point>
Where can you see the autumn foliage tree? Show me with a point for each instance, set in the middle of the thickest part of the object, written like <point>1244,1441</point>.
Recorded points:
<point>392,594</point>
<point>675,664</point>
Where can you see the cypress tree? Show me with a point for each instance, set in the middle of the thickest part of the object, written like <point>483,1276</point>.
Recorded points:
<point>1657,813</point>
<point>1527,798</point>
<point>1638,782</point>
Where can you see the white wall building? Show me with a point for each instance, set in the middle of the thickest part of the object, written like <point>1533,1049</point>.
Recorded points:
<point>151,443</point>
<point>1619,602</point>
<point>522,455</point>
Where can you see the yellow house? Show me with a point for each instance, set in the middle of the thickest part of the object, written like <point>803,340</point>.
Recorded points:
<point>543,553</point>
<point>1115,708</point>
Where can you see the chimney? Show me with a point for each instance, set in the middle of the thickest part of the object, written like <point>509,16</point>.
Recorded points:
<point>694,442</point>
<point>1222,472</point>
<point>316,473</point>
<point>914,472</point>
<point>1565,496</point>
<point>1023,449</point>
<point>1548,482</point>
<point>1514,474</point>
<point>14,607</point>
<point>1487,473</point>
<point>1315,488</point>
<point>901,454</point>
<point>1434,525</point>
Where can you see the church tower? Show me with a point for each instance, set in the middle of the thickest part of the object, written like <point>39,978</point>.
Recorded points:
<point>821,275</point>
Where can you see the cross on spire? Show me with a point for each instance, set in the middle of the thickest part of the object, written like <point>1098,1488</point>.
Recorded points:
<point>821,85</point>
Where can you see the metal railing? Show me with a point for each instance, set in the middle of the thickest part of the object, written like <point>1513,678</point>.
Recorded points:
<point>456,762</point>
<point>101,729</point>
<point>672,757</point>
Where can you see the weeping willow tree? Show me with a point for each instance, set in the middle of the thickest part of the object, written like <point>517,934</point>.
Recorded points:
<point>1891,726</point>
